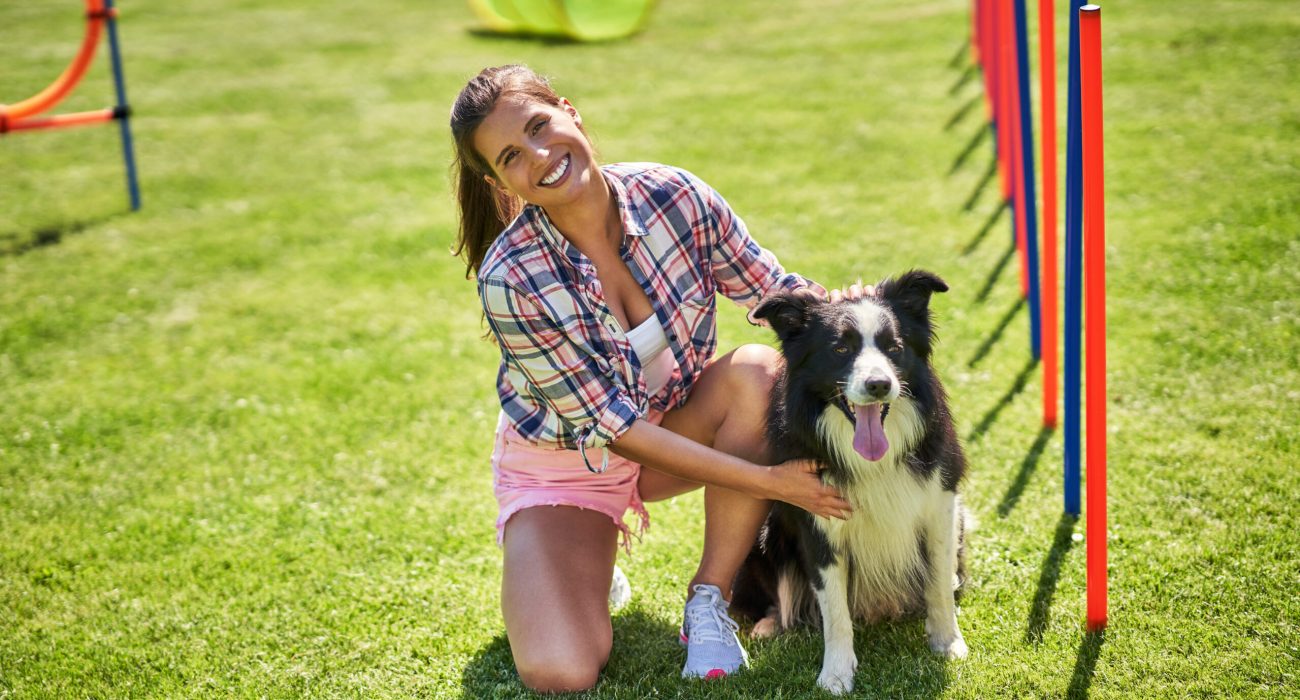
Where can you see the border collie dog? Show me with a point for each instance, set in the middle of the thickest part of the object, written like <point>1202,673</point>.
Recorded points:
<point>859,396</point>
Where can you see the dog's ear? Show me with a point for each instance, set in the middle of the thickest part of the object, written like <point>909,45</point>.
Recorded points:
<point>910,292</point>
<point>786,312</point>
<point>909,297</point>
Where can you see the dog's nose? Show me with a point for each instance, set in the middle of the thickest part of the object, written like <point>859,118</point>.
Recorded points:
<point>877,387</point>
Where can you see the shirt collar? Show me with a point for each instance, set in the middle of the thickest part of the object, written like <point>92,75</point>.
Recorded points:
<point>633,226</point>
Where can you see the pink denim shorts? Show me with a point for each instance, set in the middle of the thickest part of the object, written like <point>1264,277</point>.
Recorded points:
<point>525,475</point>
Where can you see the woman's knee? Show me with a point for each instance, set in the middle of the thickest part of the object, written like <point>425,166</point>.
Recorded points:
<point>755,367</point>
<point>557,674</point>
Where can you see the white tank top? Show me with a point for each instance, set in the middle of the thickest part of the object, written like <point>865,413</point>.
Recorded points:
<point>651,346</point>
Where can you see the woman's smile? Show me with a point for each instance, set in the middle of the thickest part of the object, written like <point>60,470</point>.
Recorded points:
<point>557,173</point>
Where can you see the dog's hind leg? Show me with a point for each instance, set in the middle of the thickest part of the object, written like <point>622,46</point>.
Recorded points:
<point>940,609</point>
<point>839,662</point>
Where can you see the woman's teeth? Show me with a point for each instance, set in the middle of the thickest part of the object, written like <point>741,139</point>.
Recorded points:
<point>558,173</point>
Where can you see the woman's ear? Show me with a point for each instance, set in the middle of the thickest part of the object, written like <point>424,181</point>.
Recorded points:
<point>492,182</point>
<point>567,106</point>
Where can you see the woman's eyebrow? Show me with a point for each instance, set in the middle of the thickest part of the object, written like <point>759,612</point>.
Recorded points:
<point>527,125</point>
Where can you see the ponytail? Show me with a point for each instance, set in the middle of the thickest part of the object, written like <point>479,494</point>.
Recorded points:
<point>485,211</point>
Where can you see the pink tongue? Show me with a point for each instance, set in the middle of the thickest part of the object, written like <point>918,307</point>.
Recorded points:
<point>869,436</point>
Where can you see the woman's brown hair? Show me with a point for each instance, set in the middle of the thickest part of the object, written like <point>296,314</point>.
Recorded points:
<point>485,210</point>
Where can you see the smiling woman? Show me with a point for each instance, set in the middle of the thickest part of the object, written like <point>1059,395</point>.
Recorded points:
<point>598,283</point>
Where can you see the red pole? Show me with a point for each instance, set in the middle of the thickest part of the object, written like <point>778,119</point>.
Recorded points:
<point>1020,208</point>
<point>1005,44</point>
<point>1094,260</point>
<point>1047,91</point>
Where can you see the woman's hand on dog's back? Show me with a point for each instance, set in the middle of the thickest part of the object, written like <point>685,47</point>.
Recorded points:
<point>796,482</point>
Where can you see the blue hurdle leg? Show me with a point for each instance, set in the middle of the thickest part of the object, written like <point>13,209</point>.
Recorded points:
<point>1027,172</point>
<point>123,109</point>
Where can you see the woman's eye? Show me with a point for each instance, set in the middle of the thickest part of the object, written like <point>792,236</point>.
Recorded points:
<point>538,126</point>
<point>509,157</point>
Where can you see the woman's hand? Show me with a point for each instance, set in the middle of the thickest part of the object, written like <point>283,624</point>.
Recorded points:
<point>796,482</point>
<point>853,292</point>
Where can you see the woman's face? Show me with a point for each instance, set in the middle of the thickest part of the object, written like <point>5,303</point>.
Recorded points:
<point>537,151</point>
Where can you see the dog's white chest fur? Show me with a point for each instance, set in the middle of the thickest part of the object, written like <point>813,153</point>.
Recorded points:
<point>890,504</point>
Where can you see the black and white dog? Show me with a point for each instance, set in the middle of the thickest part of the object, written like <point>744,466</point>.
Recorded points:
<point>859,396</point>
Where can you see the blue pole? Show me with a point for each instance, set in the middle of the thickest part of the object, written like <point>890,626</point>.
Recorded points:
<point>1027,172</point>
<point>123,110</point>
<point>1073,268</point>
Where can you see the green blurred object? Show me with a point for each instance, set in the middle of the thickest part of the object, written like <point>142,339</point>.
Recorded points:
<point>540,16</point>
<point>581,20</point>
<point>600,20</point>
<point>498,15</point>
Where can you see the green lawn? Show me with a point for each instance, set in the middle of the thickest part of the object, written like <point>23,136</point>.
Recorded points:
<point>244,433</point>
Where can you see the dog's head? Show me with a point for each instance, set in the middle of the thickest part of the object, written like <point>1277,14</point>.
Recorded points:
<point>857,355</point>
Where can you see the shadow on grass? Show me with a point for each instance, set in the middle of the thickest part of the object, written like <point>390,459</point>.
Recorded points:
<point>984,230</point>
<point>1012,496</point>
<point>12,245</point>
<point>979,187</point>
<point>893,661</point>
<point>983,350</point>
<point>961,112</point>
<point>963,50</point>
<point>992,416</point>
<point>645,655</point>
<point>992,279</point>
<point>1085,665</point>
<point>1051,571</point>
<point>968,149</point>
<point>962,79</point>
<point>544,39</point>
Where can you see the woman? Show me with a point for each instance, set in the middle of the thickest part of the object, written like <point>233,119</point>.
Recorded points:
<point>598,284</point>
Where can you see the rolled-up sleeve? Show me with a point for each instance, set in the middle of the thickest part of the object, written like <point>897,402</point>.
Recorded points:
<point>572,383</point>
<point>744,271</point>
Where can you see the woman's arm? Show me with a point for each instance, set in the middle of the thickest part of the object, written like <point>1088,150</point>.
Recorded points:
<point>795,482</point>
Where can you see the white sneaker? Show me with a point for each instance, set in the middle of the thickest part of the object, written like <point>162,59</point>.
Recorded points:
<point>709,635</point>
<point>620,591</point>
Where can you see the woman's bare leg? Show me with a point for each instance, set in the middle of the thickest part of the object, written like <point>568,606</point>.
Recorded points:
<point>559,561</point>
<point>727,410</point>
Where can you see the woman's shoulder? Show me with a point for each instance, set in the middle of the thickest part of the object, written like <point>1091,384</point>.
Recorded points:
<point>513,248</point>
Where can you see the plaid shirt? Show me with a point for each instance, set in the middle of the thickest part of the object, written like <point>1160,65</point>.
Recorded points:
<point>568,376</point>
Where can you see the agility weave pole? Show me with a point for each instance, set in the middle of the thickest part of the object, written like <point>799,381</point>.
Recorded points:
<point>22,116</point>
<point>1005,68</point>
<point>1094,262</point>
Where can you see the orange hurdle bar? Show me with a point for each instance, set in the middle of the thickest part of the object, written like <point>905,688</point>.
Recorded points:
<point>59,89</point>
<point>59,121</point>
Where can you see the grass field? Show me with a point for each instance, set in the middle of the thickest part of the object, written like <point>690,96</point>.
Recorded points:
<point>244,433</point>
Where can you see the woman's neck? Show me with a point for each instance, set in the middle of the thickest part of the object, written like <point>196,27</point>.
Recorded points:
<point>592,224</point>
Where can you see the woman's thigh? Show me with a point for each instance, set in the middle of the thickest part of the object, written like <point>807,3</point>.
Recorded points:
<point>559,561</point>
<point>734,391</point>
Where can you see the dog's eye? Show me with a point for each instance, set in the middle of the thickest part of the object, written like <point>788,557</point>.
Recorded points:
<point>841,349</point>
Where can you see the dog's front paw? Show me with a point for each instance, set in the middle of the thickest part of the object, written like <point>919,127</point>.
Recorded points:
<point>945,639</point>
<point>951,648</point>
<point>765,628</point>
<point>837,675</point>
